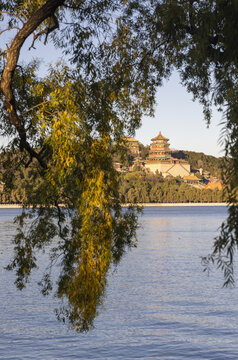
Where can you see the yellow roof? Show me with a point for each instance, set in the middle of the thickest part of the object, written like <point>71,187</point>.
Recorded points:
<point>130,139</point>
<point>215,185</point>
<point>159,137</point>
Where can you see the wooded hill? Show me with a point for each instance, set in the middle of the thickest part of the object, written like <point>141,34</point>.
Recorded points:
<point>137,186</point>
<point>140,186</point>
<point>144,187</point>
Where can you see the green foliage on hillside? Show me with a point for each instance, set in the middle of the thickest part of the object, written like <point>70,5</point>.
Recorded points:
<point>136,187</point>
<point>142,187</point>
<point>199,160</point>
<point>144,151</point>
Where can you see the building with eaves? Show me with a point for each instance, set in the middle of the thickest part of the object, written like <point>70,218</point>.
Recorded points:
<point>160,159</point>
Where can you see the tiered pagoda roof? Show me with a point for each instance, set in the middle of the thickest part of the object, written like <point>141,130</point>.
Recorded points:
<point>160,137</point>
<point>159,149</point>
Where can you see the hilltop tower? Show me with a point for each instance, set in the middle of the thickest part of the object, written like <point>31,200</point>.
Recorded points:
<point>160,159</point>
<point>159,149</point>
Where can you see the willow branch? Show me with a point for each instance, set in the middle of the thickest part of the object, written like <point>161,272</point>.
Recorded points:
<point>43,13</point>
<point>11,14</point>
<point>11,28</point>
<point>24,15</point>
<point>45,31</point>
<point>35,106</point>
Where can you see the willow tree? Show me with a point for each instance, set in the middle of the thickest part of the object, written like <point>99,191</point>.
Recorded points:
<point>62,127</point>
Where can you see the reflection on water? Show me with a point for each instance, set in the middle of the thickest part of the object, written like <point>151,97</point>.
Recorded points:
<point>159,305</point>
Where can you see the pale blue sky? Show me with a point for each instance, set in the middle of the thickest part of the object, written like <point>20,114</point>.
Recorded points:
<point>176,115</point>
<point>181,120</point>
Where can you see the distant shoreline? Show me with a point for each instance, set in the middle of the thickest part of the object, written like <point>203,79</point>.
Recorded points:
<point>176,204</point>
<point>10,206</point>
<point>18,206</point>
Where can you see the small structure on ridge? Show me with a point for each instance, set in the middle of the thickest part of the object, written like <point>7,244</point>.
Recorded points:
<point>133,146</point>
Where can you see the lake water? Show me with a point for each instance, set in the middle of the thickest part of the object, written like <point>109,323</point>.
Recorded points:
<point>159,304</point>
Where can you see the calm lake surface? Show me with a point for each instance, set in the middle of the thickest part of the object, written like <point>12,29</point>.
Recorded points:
<point>159,304</point>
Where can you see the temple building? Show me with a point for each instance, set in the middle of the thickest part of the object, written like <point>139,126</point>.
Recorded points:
<point>133,146</point>
<point>161,160</point>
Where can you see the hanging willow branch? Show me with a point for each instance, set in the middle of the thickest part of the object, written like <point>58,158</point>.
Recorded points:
<point>45,12</point>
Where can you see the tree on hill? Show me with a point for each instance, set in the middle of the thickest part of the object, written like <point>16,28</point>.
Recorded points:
<point>141,187</point>
<point>65,124</point>
<point>144,151</point>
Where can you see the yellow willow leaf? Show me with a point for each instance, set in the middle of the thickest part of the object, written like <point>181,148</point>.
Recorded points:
<point>112,96</point>
<point>67,161</point>
<point>58,133</point>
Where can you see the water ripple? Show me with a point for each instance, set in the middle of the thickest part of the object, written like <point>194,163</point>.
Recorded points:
<point>159,305</point>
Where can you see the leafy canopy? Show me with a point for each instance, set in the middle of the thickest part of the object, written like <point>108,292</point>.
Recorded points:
<point>65,125</point>
<point>62,127</point>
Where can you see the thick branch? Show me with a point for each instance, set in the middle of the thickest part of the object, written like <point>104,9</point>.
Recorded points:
<point>46,11</point>
<point>45,31</point>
